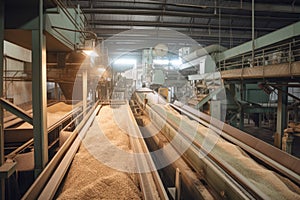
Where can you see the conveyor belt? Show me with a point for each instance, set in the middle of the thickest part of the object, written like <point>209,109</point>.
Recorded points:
<point>224,166</point>
<point>274,157</point>
<point>148,181</point>
<point>66,148</point>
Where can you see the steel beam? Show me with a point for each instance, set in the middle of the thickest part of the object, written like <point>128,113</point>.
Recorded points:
<point>39,100</point>
<point>106,31</point>
<point>286,92</point>
<point>16,110</point>
<point>224,5</point>
<point>281,115</point>
<point>56,92</point>
<point>176,13</point>
<point>2,183</point>
<point>174,24</point>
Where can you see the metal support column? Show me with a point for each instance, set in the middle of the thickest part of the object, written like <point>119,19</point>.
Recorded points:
<point>253,34</point>
<point>56,93</point>
<point>2,184</point>
<point>84,89</point>
<point>281,115</point>
<point>242,93</point>
<point>241,124</point>
<point>260,119</point>
<point>39,95</point>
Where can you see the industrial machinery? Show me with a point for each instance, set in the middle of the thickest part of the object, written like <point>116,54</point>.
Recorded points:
<point>148,113</point>
<point>216,152</point>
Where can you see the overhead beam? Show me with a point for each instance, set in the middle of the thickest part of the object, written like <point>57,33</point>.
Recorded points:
<point>226,5</point>
<point>265,7</point>
<point>195,34</point>
<point>173,24</point>
<point>159,12</point>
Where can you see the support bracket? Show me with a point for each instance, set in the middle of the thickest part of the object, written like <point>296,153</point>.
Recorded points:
<point>16,110</point>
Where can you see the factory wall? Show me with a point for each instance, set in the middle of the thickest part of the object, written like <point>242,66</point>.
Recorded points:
<point>15,89</point>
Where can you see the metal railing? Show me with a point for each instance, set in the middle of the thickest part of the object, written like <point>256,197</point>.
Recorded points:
<point>282,53</point>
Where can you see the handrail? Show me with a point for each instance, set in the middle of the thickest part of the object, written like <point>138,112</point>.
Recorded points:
<point>281,53</point>
<point>84,20</point>
<point>68,14</point>
<point>51,128</point>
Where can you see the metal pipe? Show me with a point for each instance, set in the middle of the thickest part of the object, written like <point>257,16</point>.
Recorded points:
<point>236,6</point>
<point>67,13</point>
<point>74,30</point>
<point>109,32</point>
<point>70,4</point>
<point>170,24</point>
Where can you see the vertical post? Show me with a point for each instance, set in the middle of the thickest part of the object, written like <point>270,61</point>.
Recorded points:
<point>281,115</point>
<point>39,98</point>
<point>84,90</point>
<point>290,58</point>
<point>253,45</point>
<point>56,95</point>
<point>263,55</point>
<point>2,184</point>
<point>178,184</point>
<point>243,62</point>
<point>260,119</point>
<point>242,91</point>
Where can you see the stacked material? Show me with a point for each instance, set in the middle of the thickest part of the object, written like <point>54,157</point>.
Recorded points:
<point>92,178</point>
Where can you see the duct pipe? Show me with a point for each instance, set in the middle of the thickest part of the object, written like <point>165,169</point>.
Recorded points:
<point>204,51</point>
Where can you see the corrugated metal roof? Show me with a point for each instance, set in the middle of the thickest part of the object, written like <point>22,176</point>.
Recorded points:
<point>227,22</point>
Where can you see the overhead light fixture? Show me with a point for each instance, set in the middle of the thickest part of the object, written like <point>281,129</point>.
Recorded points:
<point>90,53</point>
<point>176,62</point>
<point>101,70</point>
<point>161,61</point>
<point>125,61</point>
<point>89,48</point>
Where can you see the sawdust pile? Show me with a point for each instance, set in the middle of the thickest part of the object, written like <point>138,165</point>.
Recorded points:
<point>54,113</point>
<point>88,177</point>
<point>270,183</point>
